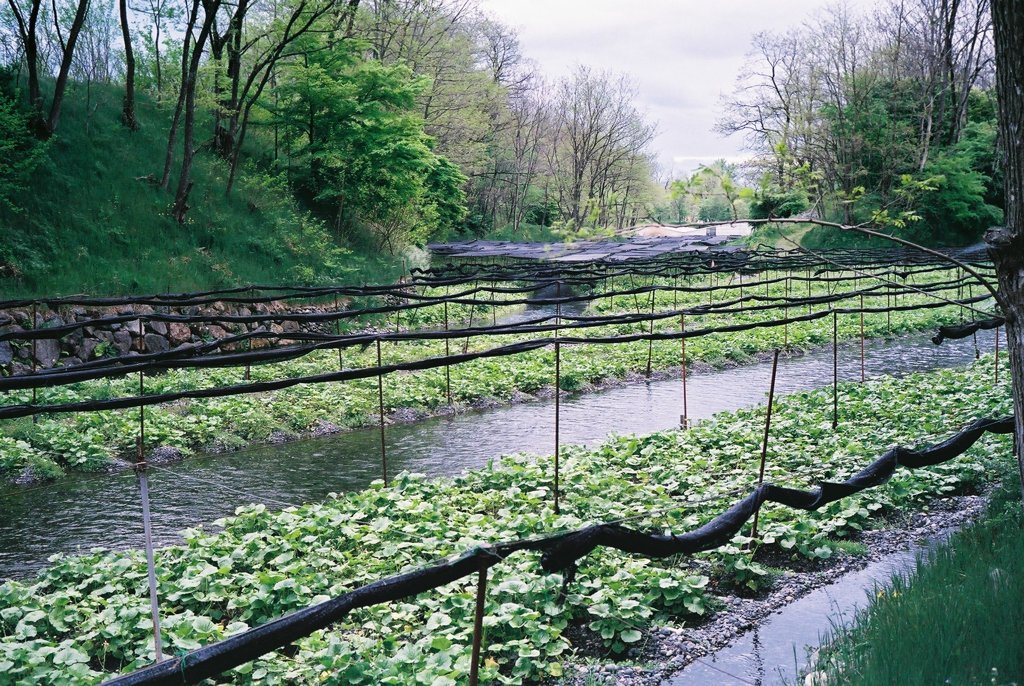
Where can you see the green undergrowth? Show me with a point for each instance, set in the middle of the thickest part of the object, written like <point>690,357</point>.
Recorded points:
<point>957,619</point>
<point>89,441</point>
<point>86,617</point>
<point>93,221</point>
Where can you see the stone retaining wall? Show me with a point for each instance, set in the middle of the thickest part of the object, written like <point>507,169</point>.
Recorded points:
<point>114,340</point>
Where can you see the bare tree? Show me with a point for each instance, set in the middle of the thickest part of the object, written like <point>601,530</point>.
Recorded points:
<point>27,19</point>
<point>128,108</point>
<point>186,52</point>
<point>188,111</point>
<point>598,133</point>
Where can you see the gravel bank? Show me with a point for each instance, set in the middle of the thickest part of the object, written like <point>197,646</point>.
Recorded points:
<point>666,650</point>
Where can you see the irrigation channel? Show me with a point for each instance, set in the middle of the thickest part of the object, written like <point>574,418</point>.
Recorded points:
<point>774,652</point>
<point>80,512</point>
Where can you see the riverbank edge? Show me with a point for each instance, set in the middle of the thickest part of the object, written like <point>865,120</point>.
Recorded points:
<point>668,650</point>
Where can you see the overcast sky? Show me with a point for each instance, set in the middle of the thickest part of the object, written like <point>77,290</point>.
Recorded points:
<point>684,54</point>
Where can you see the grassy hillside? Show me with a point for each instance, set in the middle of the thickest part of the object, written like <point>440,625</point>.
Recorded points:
<point>92,220</point>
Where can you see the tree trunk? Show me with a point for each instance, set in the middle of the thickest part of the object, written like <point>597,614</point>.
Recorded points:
<point>53,121</point>
<point>1006,244</point>
<point>172,133</point>
<point>128,108</point>
<point>156,56</point>
<point>181,207</point>
<point>27,34</point>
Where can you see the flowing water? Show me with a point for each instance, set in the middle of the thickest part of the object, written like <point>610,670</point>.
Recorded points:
<point>776,652</point>
<point>80,512</point>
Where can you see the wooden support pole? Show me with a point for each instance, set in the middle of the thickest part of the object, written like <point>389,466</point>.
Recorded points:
<point>337,330</point>
<point>862,374</point>
<point>835,370</point>
<point>147,530</point>
<point>977,350</point>
<point>888,312</point>
<point>248,342</point>
<point>478,625</point>
<point>650,341</point>
<point>997,356</point>
<point>785,315</point>
<point>35,325</point>
<point>684,420</point>
<point>447,353</point>
<point>558,393</point>
<point>808,291</point>
<point>380,406</point>
<point>767,430</point>
<point>147,527</point>
<point>472,311</point>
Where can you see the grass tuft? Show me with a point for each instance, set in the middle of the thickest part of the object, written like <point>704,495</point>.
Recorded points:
<point>958,619</point>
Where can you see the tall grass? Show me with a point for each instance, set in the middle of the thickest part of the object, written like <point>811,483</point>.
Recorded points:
<point>93,220</point>
<point>958,619</point>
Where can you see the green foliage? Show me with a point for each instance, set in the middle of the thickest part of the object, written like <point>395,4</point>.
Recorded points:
<point>20,153</point>
<point>771,201</point>
<point>93,221</point>
<point>712,193</point>
<point>956,211</point>
<point>354,124</point>
<point>86,617</point>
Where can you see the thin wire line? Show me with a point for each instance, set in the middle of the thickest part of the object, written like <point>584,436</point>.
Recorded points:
<point>883,280</point>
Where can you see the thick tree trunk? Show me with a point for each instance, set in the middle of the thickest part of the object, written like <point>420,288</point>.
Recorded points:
<point>65,67</point>
<point>1007,243</point>
<point>128,108</point>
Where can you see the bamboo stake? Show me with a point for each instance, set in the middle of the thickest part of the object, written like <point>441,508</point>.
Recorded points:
<point>478,625</point>
<point>767,430</point>
<point>835,370</point>
<point>684,421</point>
<point>558,393</point>
<point>380,405</point>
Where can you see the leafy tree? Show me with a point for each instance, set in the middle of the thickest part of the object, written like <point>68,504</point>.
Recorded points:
<point>369,160</point>
<point>956,211</point>
<point>20,152</point>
